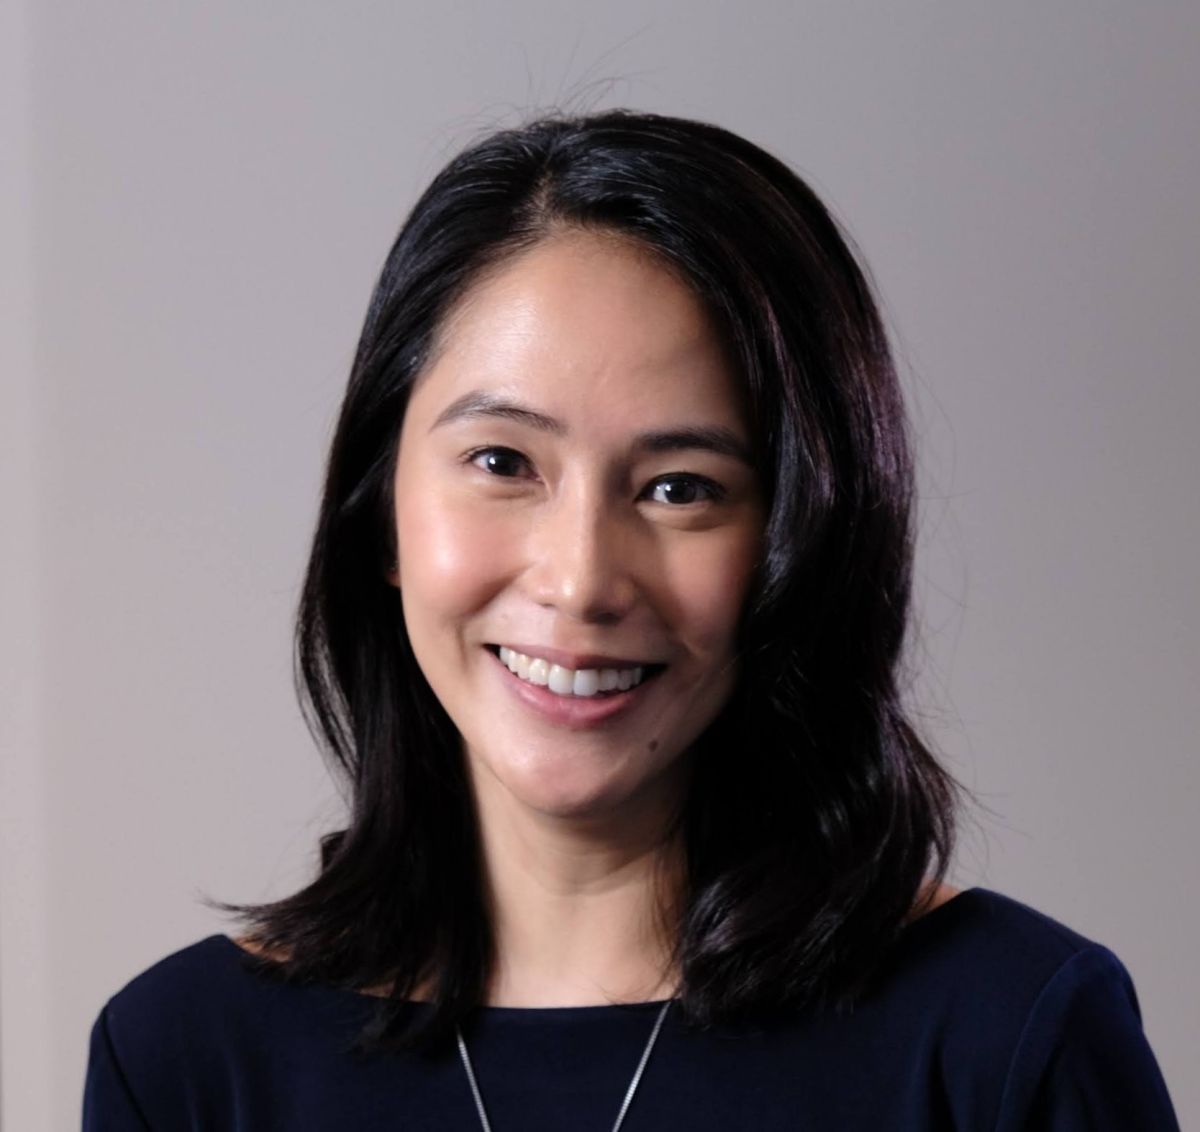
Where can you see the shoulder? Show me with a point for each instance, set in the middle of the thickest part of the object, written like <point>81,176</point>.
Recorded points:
<point>980,930</point>
<point>216,990</point>
<point>195,1027</point>
<point>195,983</point>
<point>1001,955</point>
<point>1028,1011</point>
<point>176,1010</point>
<point>151,1041</point>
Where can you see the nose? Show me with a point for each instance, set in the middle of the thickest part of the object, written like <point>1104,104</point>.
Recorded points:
<point>582,560</point>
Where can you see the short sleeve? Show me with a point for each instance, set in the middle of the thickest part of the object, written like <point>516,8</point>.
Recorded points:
<point>108,1101</point>
<point>1083,1063</point>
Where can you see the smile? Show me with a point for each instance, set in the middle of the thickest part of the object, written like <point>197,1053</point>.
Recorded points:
<point>582,682</point>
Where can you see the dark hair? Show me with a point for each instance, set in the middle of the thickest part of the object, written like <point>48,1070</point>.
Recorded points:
<point>815,813</point>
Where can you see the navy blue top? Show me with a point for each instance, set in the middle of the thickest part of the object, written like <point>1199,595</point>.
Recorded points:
<point>991,1016</point>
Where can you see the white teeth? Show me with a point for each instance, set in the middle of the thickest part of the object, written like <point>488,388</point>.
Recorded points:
<point>586,683</point>
<point>568,681</point>
<point>562,680</point>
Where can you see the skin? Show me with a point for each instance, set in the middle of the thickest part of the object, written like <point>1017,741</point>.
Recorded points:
<point>575,539</point>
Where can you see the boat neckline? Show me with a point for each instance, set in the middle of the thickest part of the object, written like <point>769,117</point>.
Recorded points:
<point>587,1009</point>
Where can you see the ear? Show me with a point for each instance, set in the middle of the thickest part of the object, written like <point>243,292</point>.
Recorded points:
<point>392,574</point>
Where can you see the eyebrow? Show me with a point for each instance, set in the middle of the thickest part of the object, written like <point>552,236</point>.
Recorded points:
<point>710,438</point>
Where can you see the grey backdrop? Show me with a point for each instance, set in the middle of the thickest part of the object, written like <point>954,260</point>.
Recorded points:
<point>195,201</point>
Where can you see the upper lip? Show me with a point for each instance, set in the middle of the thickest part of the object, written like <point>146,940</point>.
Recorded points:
<point>577,660</point>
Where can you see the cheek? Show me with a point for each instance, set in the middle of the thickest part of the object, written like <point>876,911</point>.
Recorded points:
<point>449,559</point>
<point>709,586</point>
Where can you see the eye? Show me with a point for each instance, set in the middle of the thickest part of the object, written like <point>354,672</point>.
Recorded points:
<point>681,490</point>
<point>505,462</point>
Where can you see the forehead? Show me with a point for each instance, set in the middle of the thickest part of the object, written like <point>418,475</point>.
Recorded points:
<point>588,325</point>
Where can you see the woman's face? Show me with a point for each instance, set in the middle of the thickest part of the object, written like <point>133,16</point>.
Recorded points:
<point>574,484</point>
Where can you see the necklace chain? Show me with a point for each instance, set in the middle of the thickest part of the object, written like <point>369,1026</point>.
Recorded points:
<point>633,1084</point>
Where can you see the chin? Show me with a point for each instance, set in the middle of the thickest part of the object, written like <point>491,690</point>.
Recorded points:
<point>566,793</point>
<point>579,787</point>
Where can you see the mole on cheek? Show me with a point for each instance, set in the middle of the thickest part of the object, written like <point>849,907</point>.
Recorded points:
<point>653,744</point>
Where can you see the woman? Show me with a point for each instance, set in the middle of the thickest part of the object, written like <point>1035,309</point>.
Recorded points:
<point>603,622</point>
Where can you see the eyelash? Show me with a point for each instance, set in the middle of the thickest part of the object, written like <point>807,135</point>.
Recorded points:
<point>713,489</point>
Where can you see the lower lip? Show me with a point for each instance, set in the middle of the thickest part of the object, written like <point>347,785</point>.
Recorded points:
<point>568,711</point>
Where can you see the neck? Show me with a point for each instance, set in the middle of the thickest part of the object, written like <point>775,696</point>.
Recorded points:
<point>582,909</point>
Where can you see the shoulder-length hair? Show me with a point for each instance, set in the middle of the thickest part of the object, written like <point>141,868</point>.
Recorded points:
<point>815,812</point>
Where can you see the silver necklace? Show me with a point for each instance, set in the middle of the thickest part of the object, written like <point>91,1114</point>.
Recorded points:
<point>637,1073</point>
